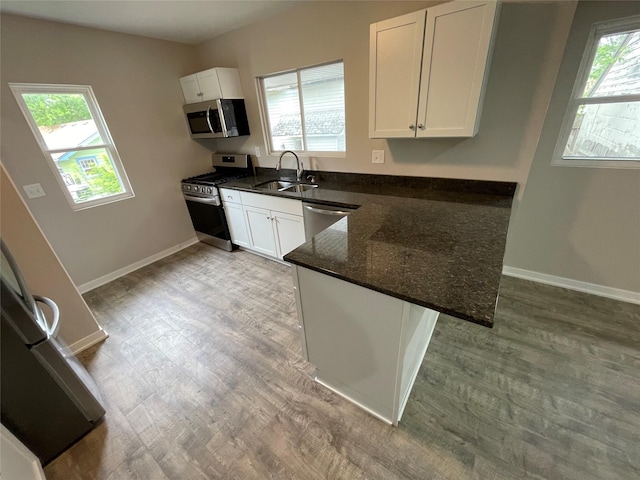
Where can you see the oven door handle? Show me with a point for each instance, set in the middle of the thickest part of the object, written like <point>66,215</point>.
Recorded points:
<point>208,201</point>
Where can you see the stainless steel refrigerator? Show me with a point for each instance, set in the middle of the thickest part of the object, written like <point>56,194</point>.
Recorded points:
<point>47,401</point>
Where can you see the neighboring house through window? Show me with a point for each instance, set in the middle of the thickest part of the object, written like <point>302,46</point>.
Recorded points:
<point>89,166</point>
<point>601,127</point>
<point>74,138</point>
<point>303,110</point>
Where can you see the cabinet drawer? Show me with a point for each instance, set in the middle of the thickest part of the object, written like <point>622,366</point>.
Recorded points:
<point>278,204</point>
<point>230,196</point>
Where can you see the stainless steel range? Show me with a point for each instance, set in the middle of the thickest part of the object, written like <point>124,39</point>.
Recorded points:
<point>203,199</point>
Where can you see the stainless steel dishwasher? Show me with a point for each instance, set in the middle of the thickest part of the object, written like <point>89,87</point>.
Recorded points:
<point>318,217</point>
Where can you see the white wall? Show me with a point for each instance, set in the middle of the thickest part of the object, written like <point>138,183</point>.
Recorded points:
<point>528,49</point>
<point>135,80</point>
<point>579,223</point>
<point>42,269</point>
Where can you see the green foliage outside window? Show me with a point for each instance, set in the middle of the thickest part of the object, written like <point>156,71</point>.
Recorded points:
<point>104,182</point>
<point>53,109</point>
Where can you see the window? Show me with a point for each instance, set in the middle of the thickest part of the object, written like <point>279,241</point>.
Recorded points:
<point>601,127</point>
<point>74,138</point>
<point>303,110</point>
<point>88,166</point>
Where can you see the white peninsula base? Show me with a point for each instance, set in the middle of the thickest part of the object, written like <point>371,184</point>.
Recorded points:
<point>366,346</point>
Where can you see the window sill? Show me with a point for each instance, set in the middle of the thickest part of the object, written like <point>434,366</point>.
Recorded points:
<point>592,163</point>
<point>101,201</point>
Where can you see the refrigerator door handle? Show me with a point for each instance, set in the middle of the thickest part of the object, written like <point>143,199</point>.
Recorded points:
<point>51,329</point>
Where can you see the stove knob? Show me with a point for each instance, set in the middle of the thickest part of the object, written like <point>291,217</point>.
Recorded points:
<point>196,189</point>
<point>210,190</point>
<point>187,187</point>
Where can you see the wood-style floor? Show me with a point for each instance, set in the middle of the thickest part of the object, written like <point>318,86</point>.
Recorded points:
<point>203,378</point>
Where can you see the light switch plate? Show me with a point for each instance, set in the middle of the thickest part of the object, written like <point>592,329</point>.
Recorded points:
<point>34,190</point>
<point>377,156</point>
<point>256,150</point>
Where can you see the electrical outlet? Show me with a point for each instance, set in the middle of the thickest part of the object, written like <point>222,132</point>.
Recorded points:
<point>377,156</point>
<point>256,150</point>
<point>34,190</point>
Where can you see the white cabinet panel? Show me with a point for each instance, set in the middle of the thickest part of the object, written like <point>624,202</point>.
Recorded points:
<point>228,195</point>
<point>395,60</point>
<point>237,225</point>
<point>190,88</point>
<point>289,232</point>
<point>366,346</point>
<point>266,224</point>
<point>352,337</point>
<point>260,229</point>
<point>457,42</point>
<point>279,204</point>
<point>211,84</point>
<point>428,70</point>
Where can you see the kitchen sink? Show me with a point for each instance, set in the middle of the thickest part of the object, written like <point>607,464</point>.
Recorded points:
<point>283,186</point>
<point>298,187</point>
<point>274,185</point>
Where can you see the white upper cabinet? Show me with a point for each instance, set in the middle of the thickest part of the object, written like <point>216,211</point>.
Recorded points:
<point>428,70</point>
<point>395,58</point>
<point>211,84</point>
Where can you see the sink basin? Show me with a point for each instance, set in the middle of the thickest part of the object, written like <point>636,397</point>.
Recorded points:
<point>283,186</point>
<point>274,185</point>
<point>298,187</point>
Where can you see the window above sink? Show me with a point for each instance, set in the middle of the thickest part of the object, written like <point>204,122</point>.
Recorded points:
<point>303,110</point>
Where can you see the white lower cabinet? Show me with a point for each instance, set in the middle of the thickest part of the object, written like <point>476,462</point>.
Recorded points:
<point>260,226</point>
<point>237,225</point>
<point>273,233</point>
<point>366,346</point>
<point>264,224</point>
<point>289,232</point>
<point>235,217</point>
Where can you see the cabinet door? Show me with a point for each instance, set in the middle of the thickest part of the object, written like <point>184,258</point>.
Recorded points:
<point>237,225</point>
<point>289,232</point>
<point>260,229</point>
<point>209,84</point>
<point>456,54</point>
<point>229,82</point>
<point>395,57</point>
<point>190,89</point>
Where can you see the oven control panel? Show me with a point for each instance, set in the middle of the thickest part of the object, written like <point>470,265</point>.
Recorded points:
<point>199,189</point>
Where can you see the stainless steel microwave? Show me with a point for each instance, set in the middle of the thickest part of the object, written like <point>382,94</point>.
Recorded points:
<point>217,118</point>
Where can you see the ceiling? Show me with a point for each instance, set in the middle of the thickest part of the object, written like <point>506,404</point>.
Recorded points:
<point>184,21</point>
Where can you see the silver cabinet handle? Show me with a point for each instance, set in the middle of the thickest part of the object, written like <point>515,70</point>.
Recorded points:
<point>412,127</point>
<point>326,212</point>
<point>421,126</point>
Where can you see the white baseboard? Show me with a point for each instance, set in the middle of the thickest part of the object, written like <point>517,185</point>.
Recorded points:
<point>109,277</point>
<point>85,343</point>
<point>585,287</point>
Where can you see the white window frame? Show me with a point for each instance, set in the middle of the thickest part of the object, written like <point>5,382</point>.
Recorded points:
<point>19,89</point>
<point>266,124</point>
<point>598,30</point>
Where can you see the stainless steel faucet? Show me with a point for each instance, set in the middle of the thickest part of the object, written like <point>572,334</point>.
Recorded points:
<point>300,166</point>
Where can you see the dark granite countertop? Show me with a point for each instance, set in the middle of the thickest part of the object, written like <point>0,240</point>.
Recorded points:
<point>438,243</point>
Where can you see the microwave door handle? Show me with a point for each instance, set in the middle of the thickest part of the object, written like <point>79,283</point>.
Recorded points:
<point>223,123</point>
<point>209,119</point>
